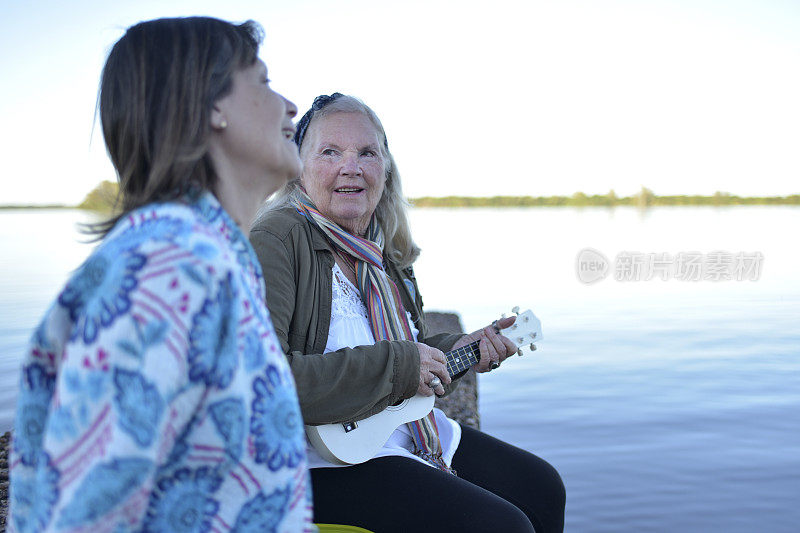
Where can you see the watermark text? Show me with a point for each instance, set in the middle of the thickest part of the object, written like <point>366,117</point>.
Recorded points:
<point>592,266</point>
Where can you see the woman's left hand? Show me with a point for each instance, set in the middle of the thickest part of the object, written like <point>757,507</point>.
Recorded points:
<point>494,347</point>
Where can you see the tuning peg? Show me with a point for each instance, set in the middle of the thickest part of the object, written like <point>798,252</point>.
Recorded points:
<point>502,315</point>
<point>533,347</point>
<point>533,335</point>
<point>520,340</point>
<point>519,352</point>
<point>515,310</point>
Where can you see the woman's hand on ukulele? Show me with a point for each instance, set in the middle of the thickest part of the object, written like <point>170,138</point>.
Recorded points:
<point>494,347</point>
<point>431,366</point>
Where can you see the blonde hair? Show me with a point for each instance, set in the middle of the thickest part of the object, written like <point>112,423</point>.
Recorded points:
<point>391,209</point>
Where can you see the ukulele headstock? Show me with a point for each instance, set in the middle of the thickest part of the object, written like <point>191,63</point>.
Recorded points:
<point>525,331</point>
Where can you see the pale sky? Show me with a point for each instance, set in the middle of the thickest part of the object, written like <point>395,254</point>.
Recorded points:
<point>478,98</point>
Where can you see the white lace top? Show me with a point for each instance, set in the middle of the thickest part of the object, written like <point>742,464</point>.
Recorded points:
<point>349,328</point>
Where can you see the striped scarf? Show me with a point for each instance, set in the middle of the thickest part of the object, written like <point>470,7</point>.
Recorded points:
<point>387,317</point>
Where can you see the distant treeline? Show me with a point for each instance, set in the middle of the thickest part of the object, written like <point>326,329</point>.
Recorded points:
<point>643,198</point>
<point>37,206</point>
<point>103,197</point>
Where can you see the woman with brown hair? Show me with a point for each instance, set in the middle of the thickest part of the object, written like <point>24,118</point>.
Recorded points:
<point>154,395</point>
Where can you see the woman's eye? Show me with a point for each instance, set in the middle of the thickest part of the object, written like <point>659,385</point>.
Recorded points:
<point>368,153</point>
<point>328,151</point>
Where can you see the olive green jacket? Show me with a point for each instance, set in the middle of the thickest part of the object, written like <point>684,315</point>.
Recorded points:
<point>351,383</point>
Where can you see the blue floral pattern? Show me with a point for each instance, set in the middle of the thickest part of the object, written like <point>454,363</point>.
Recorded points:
<point>36,499</point>
<point>184,503</point>
<point>104,487</point>
<point>62,424</point>
<point>151,334</point>
<point>100,292</point>
<point>153,394</point>
<point>254,355</point>
<point>139,405</point>
<point>163,227</point>
<point>275,423</point>
<point>229,419</point>
<point>34,400</point>
<point>263,513</point>
<point>213,351</point>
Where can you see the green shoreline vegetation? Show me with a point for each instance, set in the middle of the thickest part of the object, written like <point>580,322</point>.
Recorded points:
<point>644,198</point>
<point>36,206</point>
<point>102,198</point>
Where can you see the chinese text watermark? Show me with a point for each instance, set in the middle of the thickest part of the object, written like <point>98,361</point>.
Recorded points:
<point>592,266</point>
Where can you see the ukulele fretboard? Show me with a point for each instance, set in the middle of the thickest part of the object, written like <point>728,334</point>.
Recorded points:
<point>462,358</point>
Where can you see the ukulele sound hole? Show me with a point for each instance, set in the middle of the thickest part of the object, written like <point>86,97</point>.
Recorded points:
<point>399,405</point>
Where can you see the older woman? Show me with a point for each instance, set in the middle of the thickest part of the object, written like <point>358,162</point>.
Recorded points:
<point>152,398</point>
<point>337,254</point>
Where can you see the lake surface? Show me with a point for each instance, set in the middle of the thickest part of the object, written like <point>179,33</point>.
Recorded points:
<point>665,405</point>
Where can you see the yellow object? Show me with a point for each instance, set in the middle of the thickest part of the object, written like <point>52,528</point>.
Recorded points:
<point>338,528</point>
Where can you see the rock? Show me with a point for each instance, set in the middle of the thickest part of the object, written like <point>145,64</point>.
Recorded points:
<point>462,404</point>
<point>5,440</point>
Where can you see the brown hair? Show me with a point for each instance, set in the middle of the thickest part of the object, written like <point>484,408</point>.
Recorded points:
<point>157,90</point>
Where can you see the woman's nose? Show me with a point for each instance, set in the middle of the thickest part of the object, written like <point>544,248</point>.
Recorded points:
<point>350,166</point>
<point>291,109</point>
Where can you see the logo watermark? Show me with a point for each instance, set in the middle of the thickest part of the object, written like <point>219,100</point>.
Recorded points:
<point>592,266</point>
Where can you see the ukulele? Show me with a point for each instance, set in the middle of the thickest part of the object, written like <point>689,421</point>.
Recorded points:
<point>356,442</point>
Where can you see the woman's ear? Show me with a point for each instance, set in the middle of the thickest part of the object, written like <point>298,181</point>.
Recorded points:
<point>218,121</point>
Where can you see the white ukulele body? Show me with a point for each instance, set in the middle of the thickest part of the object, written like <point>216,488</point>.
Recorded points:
<point>356,442</point>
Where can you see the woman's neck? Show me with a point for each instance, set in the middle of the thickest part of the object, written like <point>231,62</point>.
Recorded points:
<point>356,227</point>
<point>242,191</point>
<point>241,207</point>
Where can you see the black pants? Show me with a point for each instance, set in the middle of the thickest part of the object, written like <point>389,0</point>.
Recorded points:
<point>499,488</point>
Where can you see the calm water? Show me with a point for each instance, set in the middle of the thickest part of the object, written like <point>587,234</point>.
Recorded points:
<point>666,405</point>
